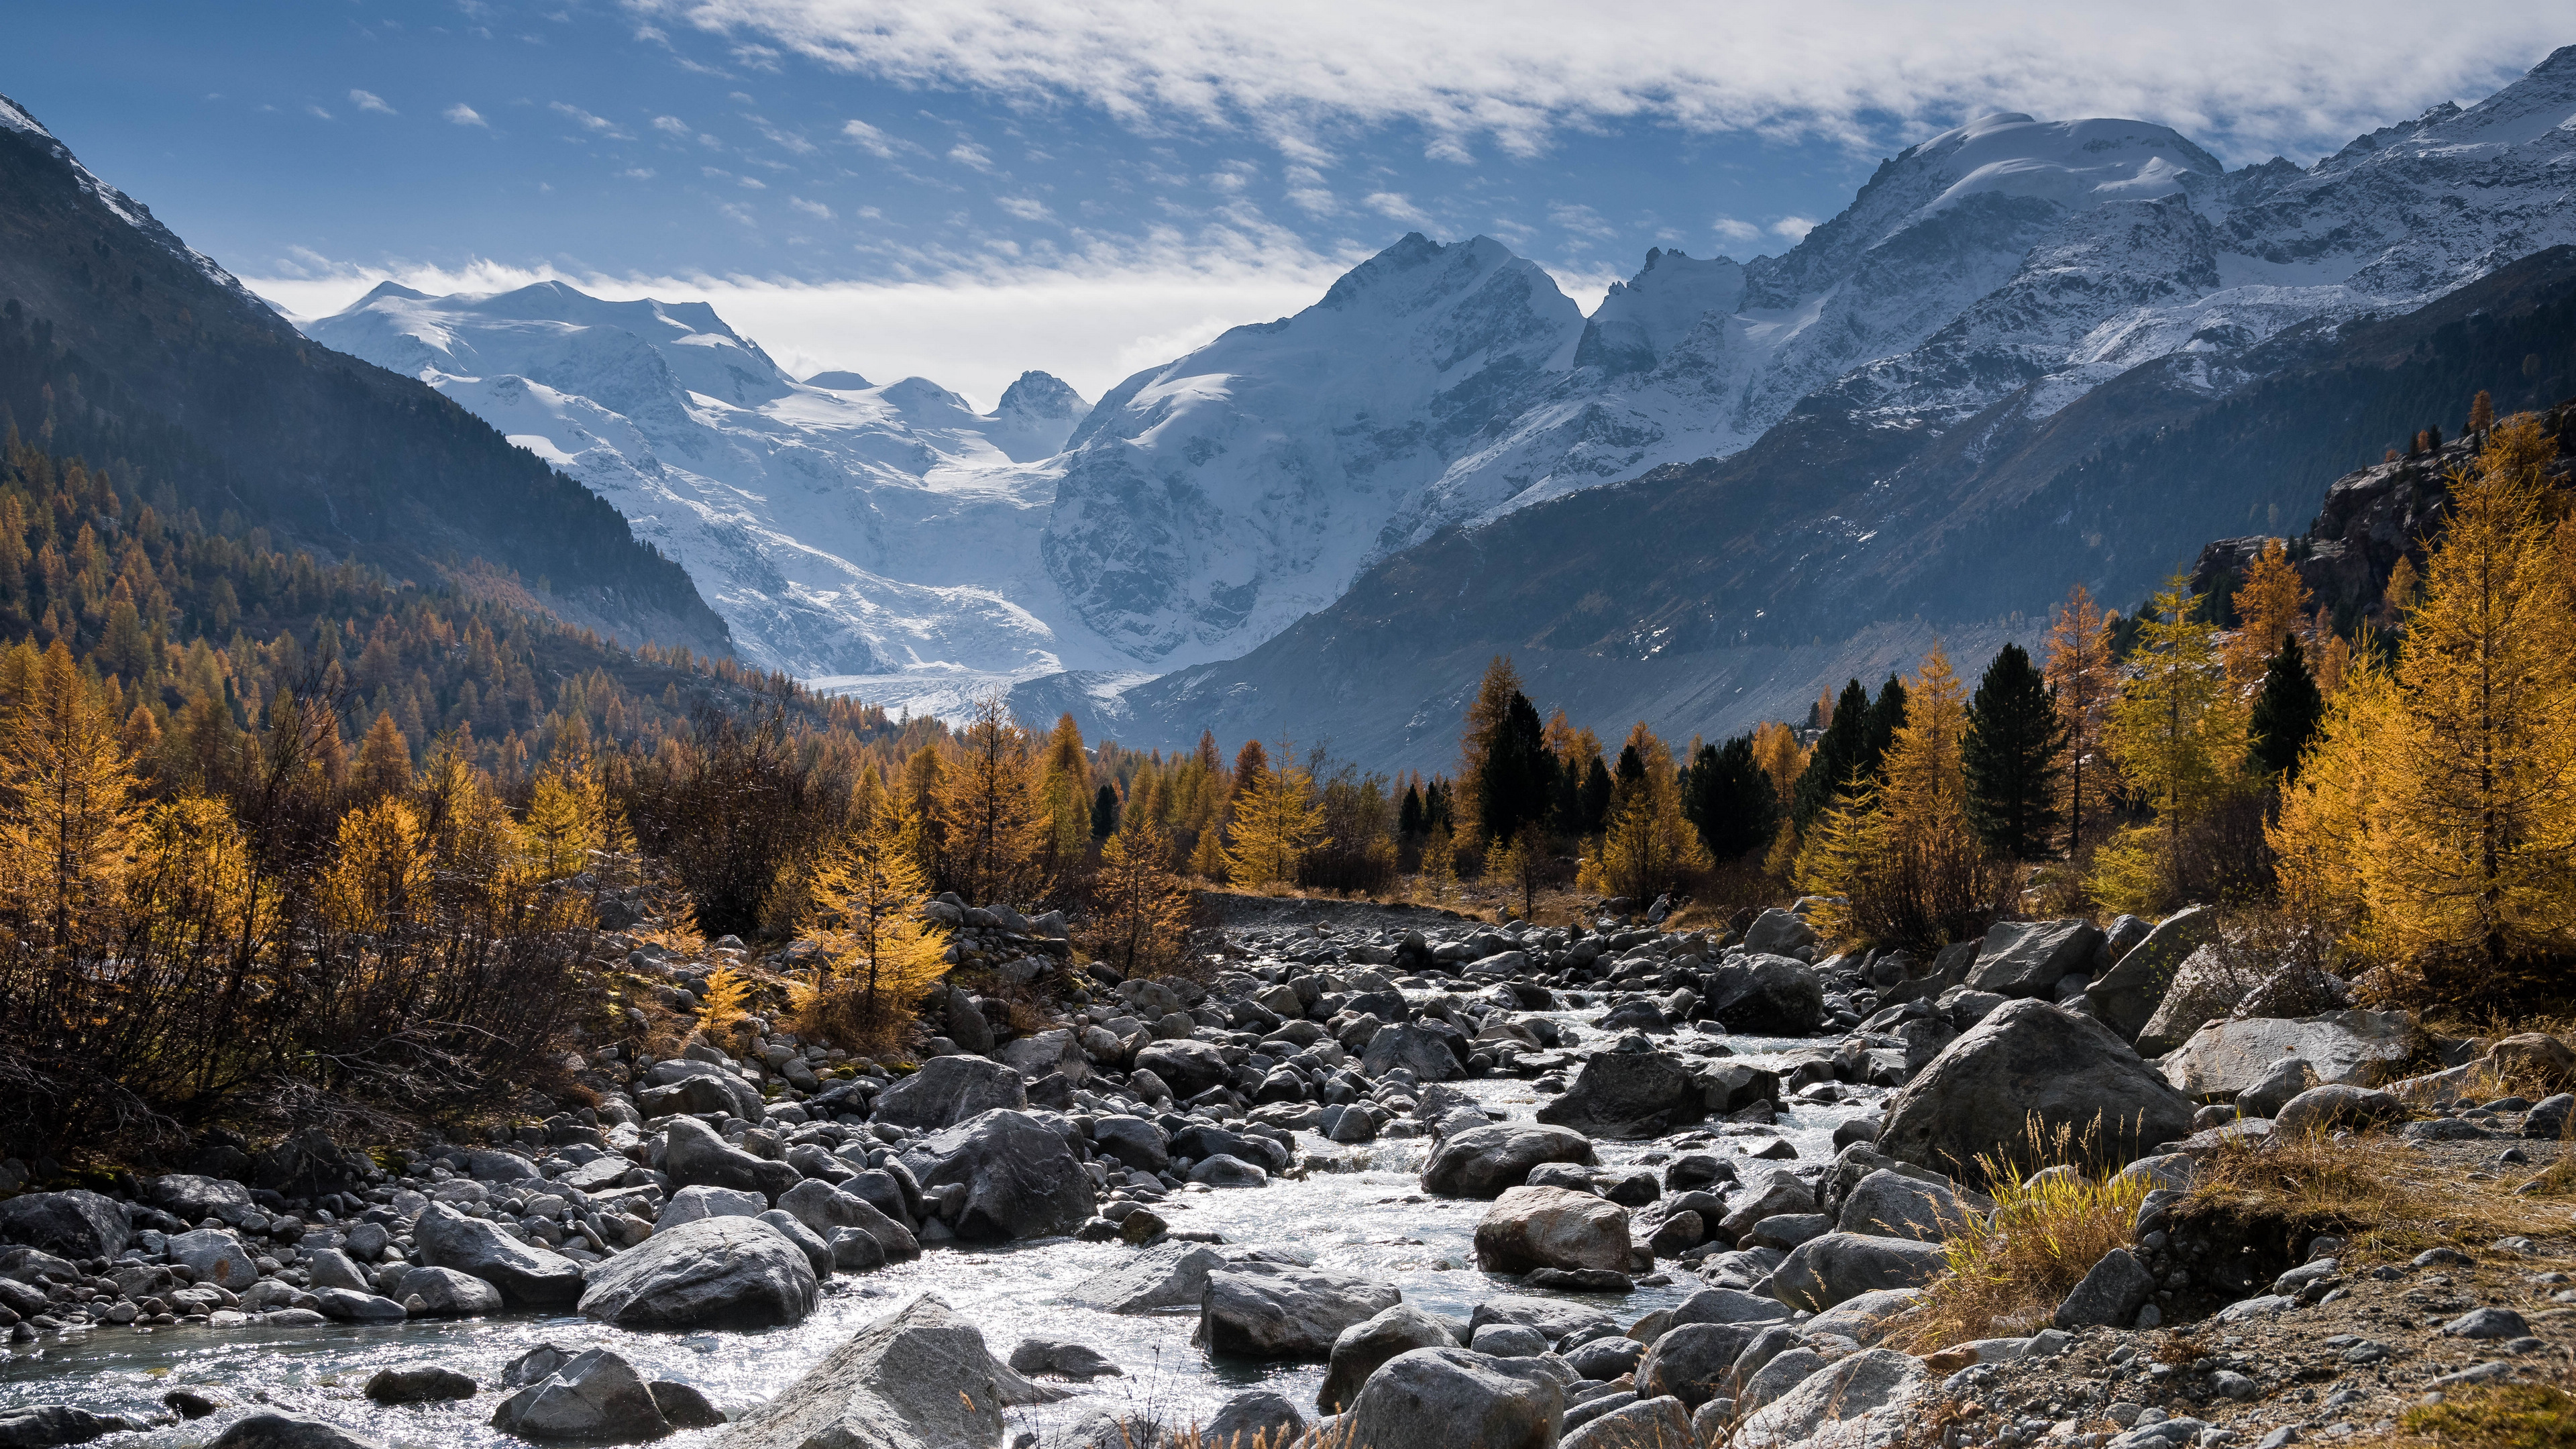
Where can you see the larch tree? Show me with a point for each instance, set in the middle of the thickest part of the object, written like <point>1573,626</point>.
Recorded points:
<point>380,876</point>
<point>1903,856</point>
<point>1064,790</point>
<point>1835,762</point>
<point>2178,735</point>
<point>1140,910</point>
<point>2080,678</point>
<point>2271,605</point>
<point>384,760</point>
<point>1646,844</point>
<point>66,802</point>
<point>864,910</point>
<point>988,808</point>
<point>1276,822</point>
<point>2015,743</point>
<point>1777,751</point>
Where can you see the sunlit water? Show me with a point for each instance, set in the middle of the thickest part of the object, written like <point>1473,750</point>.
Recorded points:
<point>1358,1222</point>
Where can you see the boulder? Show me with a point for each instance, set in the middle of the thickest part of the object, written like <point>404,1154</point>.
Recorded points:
<point>1040,1053</point>
<point>1021,1177</point>
<point>1259,1419</point>
<point>1627,1095</point>
<point>1270,1310</point>
<point>1728,1305</point>
<point>2029,958</point>
<point>1365,1345</point>
<point>692,1154</point>
<point>216,1256</point>
<point>595,1396</point>
<point>692,1203</point>
<point>1766,995</point>
<point>1063,1358</point>
<point>419,1383</point>
<point>1484,1161</point>
<point>1825,1271</point>
<point>2030,1058</point>
<point>194,1198</point>
<point>1416,1046</point>
<point>1778,931</point>
<point>1551,1227</point>
<point>1168,1275</point>
<point>2205,987</point>
<point>282,1431</point>
<point>330,1268</point>
<point>1451,1398</point>
<point>694,1087</point>
<point>1865,1318</point>
<point>309,1164</point>
<point>2322,1109</point>
<point>1645,1424</point>
<point>2350,1048</point>
<point>2111,1294</point>
<point>824,1208</point>
<point>917,1378</point>
<point>683,1406</point>
<point>1892,1205</point>
<point>712,1273</point>
<point>1695,1362</point>
<point>74,1224</point>
<point>1132,1142</point>
<point>2533,1063</point>
<point>1188,1067</point>
<point>447,1293</point>
<point>2268,1093</point>
<point>1863,1401</point>
<point>46,1426</point>
<point>351,1306</point>
<point>1783,1192</point>
<point>1554,1318</point>
<point>528,1277</point>
<point>949,1090</point>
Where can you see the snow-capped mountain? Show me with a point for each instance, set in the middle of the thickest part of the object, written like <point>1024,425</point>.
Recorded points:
<point>840,527</point>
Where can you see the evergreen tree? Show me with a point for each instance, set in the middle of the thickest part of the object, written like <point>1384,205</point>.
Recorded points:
<point>2011,755</point>
<point>877,958</point>
<point>1505,762</point>
<point>993,832</point>
<point>1408,817</point>
<point>1104,812</point>
<point>384,760</point>
<point>1878,732</point>
<point>1836,759</point>
<point>1596,796</point>
<point>2286,714</point>
<point>1730,799</point>
<point>1064,790</point>
<point>1645,843</point>
<point>68,792</point>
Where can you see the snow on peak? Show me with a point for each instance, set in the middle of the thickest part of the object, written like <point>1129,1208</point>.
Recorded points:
<point>1640,320</point>
<point>15,117</point>
<point>1037,413</point>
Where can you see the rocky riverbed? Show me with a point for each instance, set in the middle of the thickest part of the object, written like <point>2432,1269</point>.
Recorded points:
<point>1591,1185</point>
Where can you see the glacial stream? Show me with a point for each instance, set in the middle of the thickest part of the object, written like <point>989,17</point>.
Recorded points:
<point>1369,1219</point>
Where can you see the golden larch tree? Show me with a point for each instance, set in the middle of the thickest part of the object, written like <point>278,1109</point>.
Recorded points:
<point>1277,820</point>
<point>67,789</point>
<point>988,808</point>
<point>864,911</point>
<point>1140,910</point>
<point>2178,735</point>
<point>2080,678</point>
<point>1645,843</point>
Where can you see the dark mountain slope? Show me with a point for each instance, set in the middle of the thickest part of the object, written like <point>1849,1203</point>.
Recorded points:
<point>119,333</point>
<point>1700,597</point>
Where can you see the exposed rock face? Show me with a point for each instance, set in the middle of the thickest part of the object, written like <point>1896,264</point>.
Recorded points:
<point>822,1207</point>
<point>2030,1058</point>
<point>693,1154</point>
<point>74,1224</point>
<point>596,1396</point>
<point>528,1277</point>
<point>1483,1161</point>
<point>2125,997</point>
<point>2352,1048</point>
<point>1363,1347</point>
<point>1022,1179</point>
<point>917,1378</point>
<point>1451,1396</point>
<point>1168,1275</point>
<point>2029,958</point>
<point>1551,1227</point>
<point>1265,1310</point>
<point>2205,987</point>
<point>1627,1095</point>
<point>1860,1402</point>
<point>713,1273</point>
<point>1825,1271</point>
<point>949,1090</point>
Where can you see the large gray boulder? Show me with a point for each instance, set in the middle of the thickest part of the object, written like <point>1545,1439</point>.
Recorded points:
<point>685,1086</point>
<point>1258,1419</point>
<point>1695,1362</point>
<point>1822,1272</point>
<point>1364,1346</point>
<point>47,1426</point>
<point>1452,1398</point>
<point>2349,1048</point>
<point>1483,1161</point>
<point>2030,1059</point>
<point>712,1273</point>
<point>195,1198</point>
<point>1645,1424</point>
<point>2112,1292</point>
<point>283,1431</point>
<point>597,1397</point>
<point>949,1090</point>
<point>822,1207</point>
<point>697,1201</point>
<point>1167,1275</point>
<point>1022,1179</point>
<point>1628,1095</point>
<point>1778,931</point>
<point>2208,985</point>
<point>216,1256</point>
<point>918,1378</point>
<point>1766,995</point>
<point>74,1224</point>
<point>1415,1046</point>
<point>1552,1227</point>
<point>2029,958</point>
<point>2322,1109</point>
<point>1185,1065</point>
<point>1270,1310</point>
<point>2125,997</point>
<point>1892,1205</point>
<point>692,1154</point>
<point>528,1277</point>
<point>1867,1400</point>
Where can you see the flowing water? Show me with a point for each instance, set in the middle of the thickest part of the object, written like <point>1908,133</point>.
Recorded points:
<point>1369,1219</point>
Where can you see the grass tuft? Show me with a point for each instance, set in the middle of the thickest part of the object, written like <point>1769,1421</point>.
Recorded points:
<point>2510,1416</point>
<point>2008,1272</point>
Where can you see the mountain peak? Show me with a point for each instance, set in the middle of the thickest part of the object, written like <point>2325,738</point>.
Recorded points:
<point>15,117</point>
<point>838,380</point>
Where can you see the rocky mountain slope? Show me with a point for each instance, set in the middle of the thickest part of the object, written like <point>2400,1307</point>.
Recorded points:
<point>841,528</point>
<point>148,352</point>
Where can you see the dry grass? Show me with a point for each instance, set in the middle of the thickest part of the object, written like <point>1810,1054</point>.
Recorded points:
<point>2512,1416</point>
<point>2364,1188</point>
<point>2008,1273</point>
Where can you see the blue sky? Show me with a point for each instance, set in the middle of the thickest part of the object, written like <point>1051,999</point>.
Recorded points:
<point>969,189</point>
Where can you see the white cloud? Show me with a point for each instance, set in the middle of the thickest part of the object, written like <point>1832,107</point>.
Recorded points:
<point>596,125</point>
<point>1731,229</point>
<point>1581,220</point>
<point>465,115</point>
<point>1793,227</point>
<point>752,183</point>
<point>637,173</point>
<point>2246,79</point>
<point>813,209</point>
<point>1395,206</point>
<point>967,153</point>
<point>370,101</point>
<point>670,125</point>
<point>1026,208</point>
<point>317,111</point>
<point>868,138</point>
